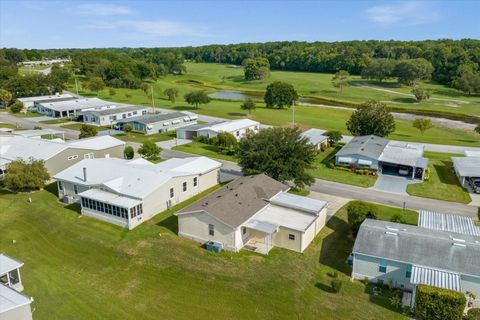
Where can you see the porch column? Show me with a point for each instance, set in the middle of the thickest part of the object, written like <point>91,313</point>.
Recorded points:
<point>8,279</point>
<point>19,277</point>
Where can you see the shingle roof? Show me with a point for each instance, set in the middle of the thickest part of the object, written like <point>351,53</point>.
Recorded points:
<point>239,200</point>
<point>369,146</point>
<point>438,249</point>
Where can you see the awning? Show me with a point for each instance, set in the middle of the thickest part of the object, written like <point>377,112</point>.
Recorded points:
<point>435,277</point>
<point>186,119</point>
<point>110,198</point>
<point>345,159</point>
<point>262,226</point>
<point>194,117</point>
<point>166,123</point>
<point>175,121</point>
<point>364,162</point>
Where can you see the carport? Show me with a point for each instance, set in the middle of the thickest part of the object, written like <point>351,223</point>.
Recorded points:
<point>416,171</point>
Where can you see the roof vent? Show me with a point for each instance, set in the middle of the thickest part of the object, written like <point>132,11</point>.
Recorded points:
<point>391,233</point>
<point>392,229</point>
<point>457,240</point>
<point>456,244</point>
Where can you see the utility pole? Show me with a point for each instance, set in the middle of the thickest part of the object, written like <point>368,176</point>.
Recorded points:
<point>76,85</point>
<point>153,100</point>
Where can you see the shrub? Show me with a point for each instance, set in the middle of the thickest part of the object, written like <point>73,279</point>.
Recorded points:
<point>473,314</point>
<point>395,301</point>
<point>439,304</point>
<point>330,165</point>
<point>397,218</point>
<point>149,150</point>
<point>111,91</point>
<point>127,128</point>
<point>26,176</point>
<point>336,285</point>
<point>201,139</point>
<point>357,212</point>
<point>226,139</point>
<point>87,131</point>
<point>128,152</point>
<point>16,107</point>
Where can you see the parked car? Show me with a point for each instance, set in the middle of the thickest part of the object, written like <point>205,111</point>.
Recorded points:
<point>475,184</point>
<point>403,171</point>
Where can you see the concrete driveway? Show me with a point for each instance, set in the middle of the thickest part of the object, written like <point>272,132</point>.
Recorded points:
<point>393,184</point>
<point>38,119</point>
<point>334,202</point>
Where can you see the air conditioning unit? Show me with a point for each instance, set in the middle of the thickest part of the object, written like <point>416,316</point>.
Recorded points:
<point>169,204</point>
<point>68,199</point>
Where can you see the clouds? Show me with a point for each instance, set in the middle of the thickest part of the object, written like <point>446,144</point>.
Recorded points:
<point>100,9</point>
<point>409,13</point>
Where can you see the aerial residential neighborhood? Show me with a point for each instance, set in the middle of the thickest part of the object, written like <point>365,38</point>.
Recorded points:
<point>239,160</point>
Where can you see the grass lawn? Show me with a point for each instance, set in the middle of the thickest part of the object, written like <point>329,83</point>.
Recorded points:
<point>80,268</point>
<point>443,183</point>
<point>78,125</point>
<point>28,114</point>
<point>141,138</point>
<point>321,171</point>
<point>209,77</point>
<point>56,121</point>
<point>8,125</point>
<point>204,149</point>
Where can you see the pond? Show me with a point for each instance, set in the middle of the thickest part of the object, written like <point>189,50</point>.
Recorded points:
<point>233,95</point>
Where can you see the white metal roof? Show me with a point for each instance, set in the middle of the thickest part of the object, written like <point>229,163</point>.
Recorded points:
<point>292,201</point>
<point>19,147</point>
<point>110,198</point>
<point>404,153</point>
<point>11,299</point>
<point>447,222</point>
<point>467,166</point>
<point>315,136</point>
<point>45,98</point>
<point>77,104</point>
<point>133,178</point>
<point>231,126</point>
<point>435,277</point>
<point>263,226</point>
<point>472,153</point>
<point>8,264</point>
<point>285,217</point>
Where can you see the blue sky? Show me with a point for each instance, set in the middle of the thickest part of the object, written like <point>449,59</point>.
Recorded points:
<point>86,24</point>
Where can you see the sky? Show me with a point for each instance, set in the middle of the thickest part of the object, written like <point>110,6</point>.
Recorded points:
<point>45,24</point>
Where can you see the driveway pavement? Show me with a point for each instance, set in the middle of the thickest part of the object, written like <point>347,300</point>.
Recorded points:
<point>38,119</point>
<point>334,202</point>
<point>393,184</point>
<point>169,144</point>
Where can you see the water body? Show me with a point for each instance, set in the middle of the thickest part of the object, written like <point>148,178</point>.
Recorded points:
<point>233,95</point>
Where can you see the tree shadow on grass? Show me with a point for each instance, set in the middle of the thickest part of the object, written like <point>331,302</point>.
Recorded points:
<point>75,207</point>
<point>237,114</point>
<point>52,188</point>
<point>185,108</point>
<point>404,100</point>
<point>324,287</point>
<point>445,173</point>
<point>337,246</point>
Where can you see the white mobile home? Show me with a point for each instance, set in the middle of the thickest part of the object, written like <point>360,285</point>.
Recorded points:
<point>256,213</point>
<point>129,192</point>
<point>161,122</point>
<point>29,102</point>
<point>467,170</point>
<point>71,108</point>
<point>111,116</point>
<point>238,128</point>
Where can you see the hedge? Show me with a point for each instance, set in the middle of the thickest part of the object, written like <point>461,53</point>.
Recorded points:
<point>439,304</point>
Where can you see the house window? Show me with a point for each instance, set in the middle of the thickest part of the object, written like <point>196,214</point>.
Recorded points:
<point>291,236</point>
<point>382,267</point>
<point>60,185</point>
<point>237,133</point>
<point>134,112</point>
<point>184,186</point>
<point>195,181</point>
<point>89,156</point>
<point>124,116</point>
<point>72,157</point>
<point>408,273</point>
<point>244,230</point>
<point>75,189</point>
<point>171,193</point>
<point>211,230</point>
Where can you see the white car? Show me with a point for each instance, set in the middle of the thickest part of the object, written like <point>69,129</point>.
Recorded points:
<point>403,171</point>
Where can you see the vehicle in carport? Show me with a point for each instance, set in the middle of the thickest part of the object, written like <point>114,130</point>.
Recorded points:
<point>474,184</point>
<point>403,171</point>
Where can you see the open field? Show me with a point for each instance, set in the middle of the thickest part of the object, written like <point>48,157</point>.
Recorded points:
<point>81,268</point>
<point>443,183</point>
<point>209,77</point>
<point>321,171</point>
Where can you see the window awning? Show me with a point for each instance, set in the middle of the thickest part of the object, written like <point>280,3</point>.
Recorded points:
<point>166,123</point>
<point>365,162</point>
<point>186,119</point>
<point>110,198</point>
<point>262,226</point>
<point>175,121</point>
<point>435,277</point>
<point>345,159</point>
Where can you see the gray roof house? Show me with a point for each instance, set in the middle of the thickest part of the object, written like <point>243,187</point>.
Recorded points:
<point>384,155</point>
<point>238,128</point>
<point>71,107</point>
<point>443,251</point>
<point>160,122</point>
<point>13,304</point>
<point>256,213</point>
<point>316,137</point>
<point>29,102</point>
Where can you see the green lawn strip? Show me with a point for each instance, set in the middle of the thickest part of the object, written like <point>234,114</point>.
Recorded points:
<point>206,150</point>
<point>75,265</point>
<point>28,114</point>
<point>56,121</point>
<point>76,126</point>
<point>141,138</point>
<point>8,126</point>
<point>443,183</point>
<point>321,171</point>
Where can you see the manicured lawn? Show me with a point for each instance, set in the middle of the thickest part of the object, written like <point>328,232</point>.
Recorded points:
<point>28,114</point>
<point>321,171</point>
<point>443,183</point>
<point>8,125</point>
<point>208,77</point>
<point>56,121</point>
<point>141,138</point>
<point>206,150</point>
<point>78,125</point>
<point>80,268</point>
